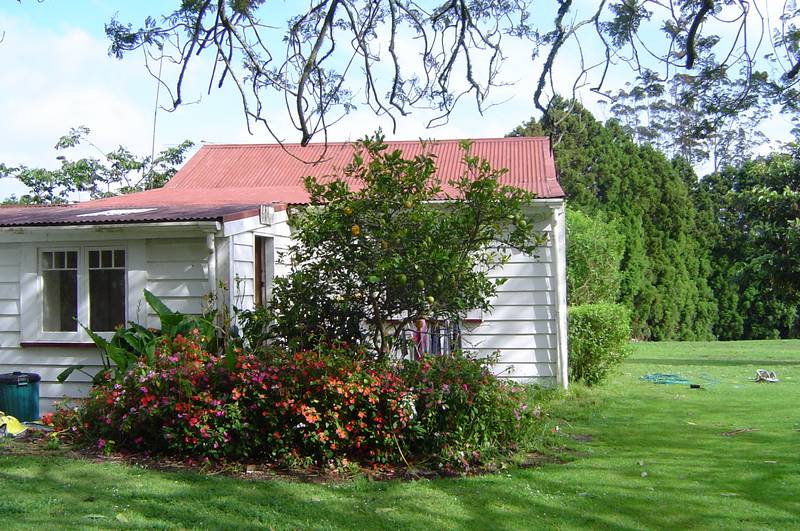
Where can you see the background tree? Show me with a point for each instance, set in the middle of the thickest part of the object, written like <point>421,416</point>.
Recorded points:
<point>116,172</point>
<point>683,118</point>
<point>328,56</point>
<point>397,246</point>
<point>752,218</point>
<point>664,266</point>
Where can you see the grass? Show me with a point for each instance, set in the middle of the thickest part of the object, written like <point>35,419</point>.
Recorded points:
<point>725,456</point>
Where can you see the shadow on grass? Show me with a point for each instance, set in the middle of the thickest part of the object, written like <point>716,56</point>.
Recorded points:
<point>711,362</point>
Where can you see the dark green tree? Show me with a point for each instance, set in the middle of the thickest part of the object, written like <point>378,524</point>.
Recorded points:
<point>664,266</point>
<point>116,172</point>
<point>752,219</point>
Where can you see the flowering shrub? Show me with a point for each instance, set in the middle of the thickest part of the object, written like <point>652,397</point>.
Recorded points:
<point>178,404</point>
<point>318,406</point>
<point>323,404</point>
<point>462,410</point>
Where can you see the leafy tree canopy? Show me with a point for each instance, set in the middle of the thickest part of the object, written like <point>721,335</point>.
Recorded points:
<point>398,55</point>
<point>398,244</point>
<point>664,266</point>
<point>116,172</point>
<point>752,219</point>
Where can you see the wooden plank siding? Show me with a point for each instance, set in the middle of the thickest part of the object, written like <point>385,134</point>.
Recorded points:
<point>242,283</point>
<point>523,322</point>
<point>177,273</point>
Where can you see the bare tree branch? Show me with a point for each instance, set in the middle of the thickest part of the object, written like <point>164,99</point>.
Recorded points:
<point>397,56</point>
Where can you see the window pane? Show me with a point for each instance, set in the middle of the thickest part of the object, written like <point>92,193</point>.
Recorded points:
<point>60,300</point>
<point>72,259</point>
<point>106,298</point>
<point>106,259</point>
<point>119,258</point>
<point>94,259</point>
<point>59,262</point>
<point>47,260</point>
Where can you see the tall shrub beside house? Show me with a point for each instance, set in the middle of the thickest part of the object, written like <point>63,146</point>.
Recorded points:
<point>598,328</point>
<point>595,249</point>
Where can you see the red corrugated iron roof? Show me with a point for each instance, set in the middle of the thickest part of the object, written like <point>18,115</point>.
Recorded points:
<point>221,181</point>
<point>152,206</point>
<point>529,162</point>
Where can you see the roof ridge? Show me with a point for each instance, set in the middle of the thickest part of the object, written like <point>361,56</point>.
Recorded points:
<point>223,145</point>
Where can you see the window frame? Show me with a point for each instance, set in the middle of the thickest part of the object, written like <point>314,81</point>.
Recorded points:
<point>86,271</point>
<point>40,275</point>
<point>32,292</point>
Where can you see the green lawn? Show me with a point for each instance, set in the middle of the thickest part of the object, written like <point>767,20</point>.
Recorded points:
<point>641,456</point>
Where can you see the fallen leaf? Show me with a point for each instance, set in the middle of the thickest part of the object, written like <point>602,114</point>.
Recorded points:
<point>122,518</point>
<point>644,474</point>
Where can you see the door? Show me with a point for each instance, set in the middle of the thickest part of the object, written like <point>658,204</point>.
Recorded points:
<point>264,269</point>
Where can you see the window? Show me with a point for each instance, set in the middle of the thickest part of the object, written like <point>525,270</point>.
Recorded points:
<point>59,291</point>
<point>82,286</point>
<point>106,289</point>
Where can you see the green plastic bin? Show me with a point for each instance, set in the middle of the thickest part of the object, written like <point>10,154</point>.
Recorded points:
<point>19,395</point>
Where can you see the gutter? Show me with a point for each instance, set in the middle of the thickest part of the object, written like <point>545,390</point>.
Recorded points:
<point>204,226</point>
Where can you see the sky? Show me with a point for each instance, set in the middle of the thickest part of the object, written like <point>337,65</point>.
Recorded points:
<point>56,74</point>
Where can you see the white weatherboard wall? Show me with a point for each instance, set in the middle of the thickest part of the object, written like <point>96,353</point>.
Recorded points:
<point>241,236</point>
<point>181,264</point>
<point>524,324</point>
<point>171,260</point>
<point>177,273</point>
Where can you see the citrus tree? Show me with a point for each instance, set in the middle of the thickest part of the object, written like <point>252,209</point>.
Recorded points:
<point>387,243</point>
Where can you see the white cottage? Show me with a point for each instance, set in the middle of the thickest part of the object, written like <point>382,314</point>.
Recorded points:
<point>222,219</point>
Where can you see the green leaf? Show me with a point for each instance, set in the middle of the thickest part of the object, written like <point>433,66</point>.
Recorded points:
<point>120,357</point>
<point>66,373</point>
<point>155,303</point>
